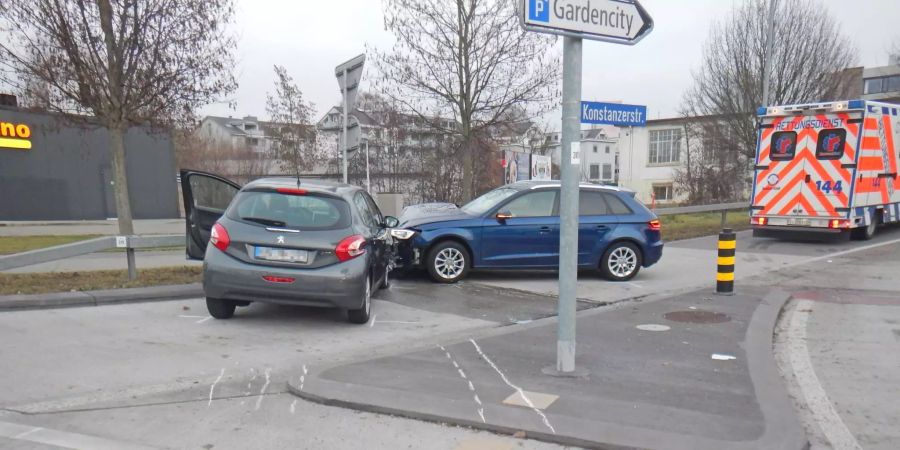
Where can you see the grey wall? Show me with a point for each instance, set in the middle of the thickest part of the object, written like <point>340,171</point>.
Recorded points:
<point>67,173</point>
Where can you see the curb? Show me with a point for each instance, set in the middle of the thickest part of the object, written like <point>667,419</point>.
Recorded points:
<point>101,297</point>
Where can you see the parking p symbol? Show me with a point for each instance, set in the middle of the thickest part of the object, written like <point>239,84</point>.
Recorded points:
<point>539,10</point>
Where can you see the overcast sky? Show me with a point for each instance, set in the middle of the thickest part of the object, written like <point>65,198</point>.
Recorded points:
<point>311,37</point>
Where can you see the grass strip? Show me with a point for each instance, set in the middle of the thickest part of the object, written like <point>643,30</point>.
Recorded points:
<point>19,244</point>
<point>42,283</point>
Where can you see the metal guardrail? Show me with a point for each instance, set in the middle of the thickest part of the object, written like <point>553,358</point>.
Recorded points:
<point>85,247</point>
<point>719,207</point>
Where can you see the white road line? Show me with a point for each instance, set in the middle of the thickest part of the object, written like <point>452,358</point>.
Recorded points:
<point>204,319</point>
<point>462,374</point>
<point>397,321</point>
<point>250,383</point>
<point>263,390</point>
<point>191,317</point>
<point>62,439</point>
<point>518,389</point>
<point>817,401</point>
<point>214,386</point>
<point>293,406</point>
<point>372,323</point>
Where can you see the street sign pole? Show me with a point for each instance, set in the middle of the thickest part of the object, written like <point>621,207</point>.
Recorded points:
<point>568,206</point>
<point>344,143</point>
<point>368,179</point>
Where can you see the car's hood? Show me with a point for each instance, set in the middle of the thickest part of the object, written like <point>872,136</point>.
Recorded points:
<point>415,215</point>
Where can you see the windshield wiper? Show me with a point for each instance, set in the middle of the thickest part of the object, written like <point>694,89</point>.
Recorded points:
<point>269,222</point>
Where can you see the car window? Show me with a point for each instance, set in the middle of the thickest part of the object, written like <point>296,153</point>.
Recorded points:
<point>373,207</point>
<point>783,145</point>
<point>616,205</point>
<point>532,204</point>
<point>591,203</point>
<point>309,212</point>
<point>365,212</point>
<point>487,201</point>
<point>830,144</point>
<point>211,193</point>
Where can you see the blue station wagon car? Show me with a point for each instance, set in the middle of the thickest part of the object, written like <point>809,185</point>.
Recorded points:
<point>517,227</point>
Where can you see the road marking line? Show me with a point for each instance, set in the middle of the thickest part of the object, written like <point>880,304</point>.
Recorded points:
<point>396,321</point>
<point>518,389</point>
<point>263,390</point>
<point>214,386</point>
<point>293,406</point>
<point>191,317</point>
<point>820,406</point>
<point>204,319</point>
<point>62,439</point>
<point>372,323</point>
<point>462,374</point>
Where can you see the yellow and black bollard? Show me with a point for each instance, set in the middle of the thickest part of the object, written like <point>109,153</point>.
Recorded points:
<point>725,272</point>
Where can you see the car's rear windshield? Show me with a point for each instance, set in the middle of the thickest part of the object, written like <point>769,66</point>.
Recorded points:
<point>304,212</point>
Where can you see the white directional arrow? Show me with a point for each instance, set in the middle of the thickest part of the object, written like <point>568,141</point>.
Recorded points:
<point>618,21</point>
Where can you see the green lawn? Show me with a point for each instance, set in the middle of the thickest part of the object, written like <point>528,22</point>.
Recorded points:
<point>19,244</point>
<point>40,283</point>
<point>686,226</point>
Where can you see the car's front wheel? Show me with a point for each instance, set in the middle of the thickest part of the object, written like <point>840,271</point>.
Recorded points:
<point>621,261</point>
<point>220,309</point>
<point>361,315</point>
<point>448,262</point>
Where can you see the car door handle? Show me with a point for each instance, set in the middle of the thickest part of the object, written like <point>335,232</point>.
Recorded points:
<point>602,227</point>
<point>544,230</point>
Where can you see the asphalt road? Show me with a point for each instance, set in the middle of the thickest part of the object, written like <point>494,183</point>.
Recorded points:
<point>166,375</point>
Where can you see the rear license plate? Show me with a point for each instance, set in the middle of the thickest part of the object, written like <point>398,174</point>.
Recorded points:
<point>281,254</point>
<point>799,222</point>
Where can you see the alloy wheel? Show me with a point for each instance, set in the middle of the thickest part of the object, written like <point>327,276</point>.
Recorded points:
<point>622,262</point>
<point>449,263</point>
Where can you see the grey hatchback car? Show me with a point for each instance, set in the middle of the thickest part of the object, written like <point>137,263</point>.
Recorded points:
<point>286,240</point>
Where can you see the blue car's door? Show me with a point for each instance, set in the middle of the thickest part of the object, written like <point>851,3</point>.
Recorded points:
<point>596,225</point>
<point>529,238</point>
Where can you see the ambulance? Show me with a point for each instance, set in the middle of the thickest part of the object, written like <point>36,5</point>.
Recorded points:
<point>826,168</point>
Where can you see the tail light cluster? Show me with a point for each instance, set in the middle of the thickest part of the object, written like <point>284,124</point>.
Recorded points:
<point>219,237</point>
<point>654,225</point>
<point>350,247</point>
<point>838,223</point>
<point>759,221</point>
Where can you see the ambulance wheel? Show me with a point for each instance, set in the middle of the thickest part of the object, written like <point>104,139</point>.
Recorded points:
<point>864,234</point>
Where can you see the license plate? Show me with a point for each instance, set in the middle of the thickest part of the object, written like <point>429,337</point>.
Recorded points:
<point>281,254</point>
<point>799,222</point>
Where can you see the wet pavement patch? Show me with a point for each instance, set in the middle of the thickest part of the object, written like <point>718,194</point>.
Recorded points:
<point>697,316</point>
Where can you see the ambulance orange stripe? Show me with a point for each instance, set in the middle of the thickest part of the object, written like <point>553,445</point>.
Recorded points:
<point>889,136</point>
<point>784,191</point>
<point>809,208</point>
<point>852,128</point>
<point>868,163</point>
<point>870,123</point>
<point>871,143</point>
<point>823,198</point>
<point>782,171</point>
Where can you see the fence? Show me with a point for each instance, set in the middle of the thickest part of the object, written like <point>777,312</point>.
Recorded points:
<point>84,247</point>
<point>719,207</point>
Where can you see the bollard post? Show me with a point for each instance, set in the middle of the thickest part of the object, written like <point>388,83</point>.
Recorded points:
<point>725,271</point>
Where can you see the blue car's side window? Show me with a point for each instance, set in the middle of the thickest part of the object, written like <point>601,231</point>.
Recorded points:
<point>617,206</point>
<point>533,204</point>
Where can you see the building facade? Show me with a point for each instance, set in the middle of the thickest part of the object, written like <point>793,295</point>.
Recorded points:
<point>57,169</point>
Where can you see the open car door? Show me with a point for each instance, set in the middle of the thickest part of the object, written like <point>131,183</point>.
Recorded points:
<point>206,197</point>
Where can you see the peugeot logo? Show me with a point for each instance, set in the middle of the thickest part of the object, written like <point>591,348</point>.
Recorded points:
<point>279,240</point>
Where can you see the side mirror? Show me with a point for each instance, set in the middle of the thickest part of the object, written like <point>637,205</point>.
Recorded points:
<point>503,215</point>
<point>391,221</point>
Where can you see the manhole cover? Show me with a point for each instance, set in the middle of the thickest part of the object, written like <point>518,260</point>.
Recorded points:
<point>697,316</point>
<point>652,327</point>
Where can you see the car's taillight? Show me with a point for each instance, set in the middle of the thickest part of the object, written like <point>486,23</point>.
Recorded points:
<point>273,279</point>
<point>350,247</point>
<point>655,225</point>
<point>291,191</point>
<point>838,223</point>
<point>219,237</point>
<point>759,220</point>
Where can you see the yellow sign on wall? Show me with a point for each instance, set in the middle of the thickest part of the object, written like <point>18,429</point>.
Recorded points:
<point>15,136</point>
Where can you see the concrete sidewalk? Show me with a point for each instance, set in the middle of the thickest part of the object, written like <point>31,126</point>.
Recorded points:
<point>674,388</point>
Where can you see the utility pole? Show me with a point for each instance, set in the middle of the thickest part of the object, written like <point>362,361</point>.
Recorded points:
<point>345,124</point>
<point>568,207</point>
<point>767,60</point>
<point>368,180</point>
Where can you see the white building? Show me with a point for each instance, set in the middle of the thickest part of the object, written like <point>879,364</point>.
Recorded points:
<point>599,152</point>
<point>648,158</point>
<point>247,132</point>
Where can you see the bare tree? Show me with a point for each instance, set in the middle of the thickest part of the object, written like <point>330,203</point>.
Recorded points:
<point>714,169</point>
<point>294,136</point>
<point>123,61</point>
<point>468,61</point>
<point>807,65</point>
<point>240,163</point>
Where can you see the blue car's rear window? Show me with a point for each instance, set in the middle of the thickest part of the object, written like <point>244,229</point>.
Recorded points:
<point>305,212</point>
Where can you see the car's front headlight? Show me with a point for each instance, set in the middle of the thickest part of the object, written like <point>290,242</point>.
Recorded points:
<point>401,233</point>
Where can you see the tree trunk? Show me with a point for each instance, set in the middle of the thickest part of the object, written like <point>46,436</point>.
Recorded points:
<point>468,172</point>
<point>123,201</point>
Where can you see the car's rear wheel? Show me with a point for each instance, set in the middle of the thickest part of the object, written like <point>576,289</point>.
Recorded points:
<point>448,262</point>
<point>220,309</point>
<point>621,262</point>
<point>864,234</point>
<point>361,315</point>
